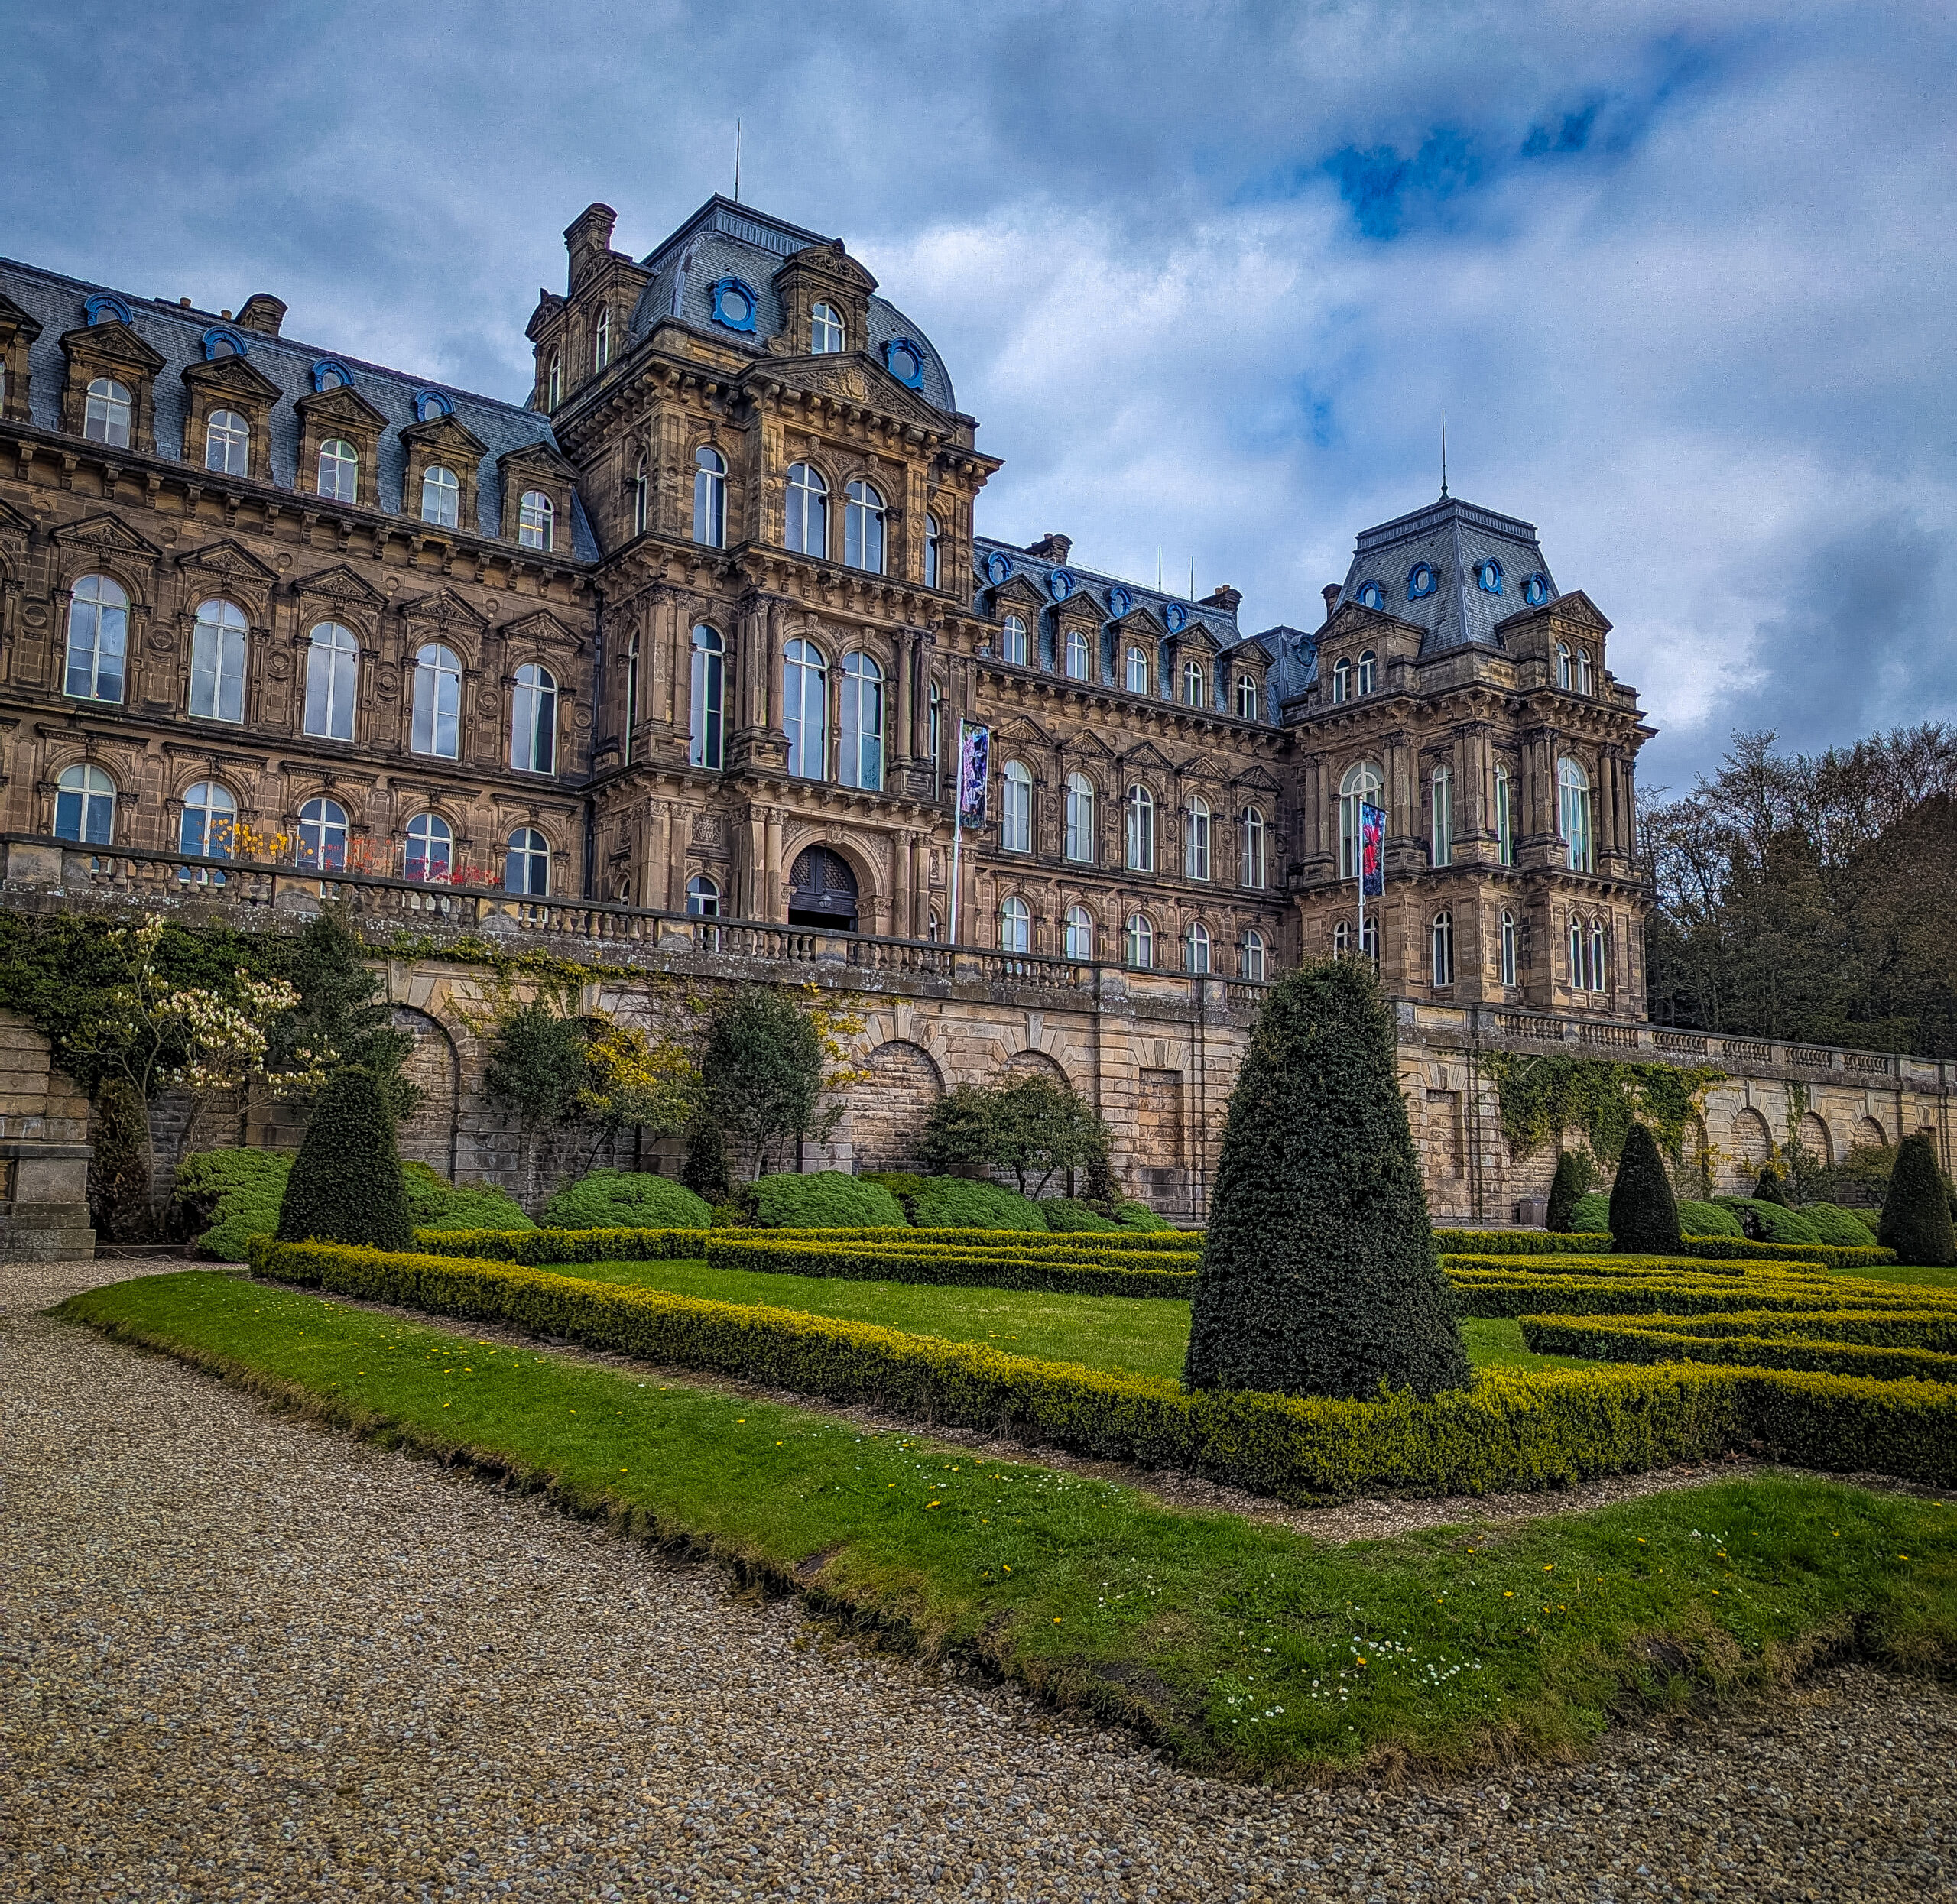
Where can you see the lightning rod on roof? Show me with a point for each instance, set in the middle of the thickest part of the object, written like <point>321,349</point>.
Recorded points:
<point>1443,456</point>
<point>737,161</point>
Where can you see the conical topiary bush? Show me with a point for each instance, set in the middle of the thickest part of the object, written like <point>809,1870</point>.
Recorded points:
<point>1319,1275</point>
<point>1570,1182</point>
<point>1644,1214</point>
<point>1769,1189</point>
<point>345,1185</point>
<point>1916,1218</point>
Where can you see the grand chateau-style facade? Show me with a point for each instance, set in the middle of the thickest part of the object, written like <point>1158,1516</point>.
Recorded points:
<point>692,628</point>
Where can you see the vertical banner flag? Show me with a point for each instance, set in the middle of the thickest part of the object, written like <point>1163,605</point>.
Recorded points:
<point>1372,851</point>
<point>974,753</point>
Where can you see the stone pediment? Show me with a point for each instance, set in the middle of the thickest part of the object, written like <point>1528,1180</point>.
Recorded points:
<point>106,532</point>
<point>1019,591</point>
<point>1258,777</point>
<point>1196,638</point>
<point>446,433</point>
<point>1140,623</point>
<point>228,559</point>
<point>1355,618</point>
<point>542,627</point>
<point>825,261</point>
<point>1146,753</point>
<point>115,342</point>
<point>234,376</point>
<point>341,404</point>
<point>16,323</point>
<point>1088,743</point>
<point>444,608</point>
<point>1203,768</point>
<point>1023,732</point>
<point>538,455</point>
<point>12,523</point>
<point>852,377</point>
<point>339,584</point>
<point>1574,610</point>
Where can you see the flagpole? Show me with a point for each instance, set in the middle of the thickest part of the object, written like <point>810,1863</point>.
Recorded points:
<point>957,817</point>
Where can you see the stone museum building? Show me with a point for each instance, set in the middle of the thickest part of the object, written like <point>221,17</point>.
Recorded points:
<point>671,653</point>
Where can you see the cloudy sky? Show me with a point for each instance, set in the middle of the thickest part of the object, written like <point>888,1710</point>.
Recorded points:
<point>1208,274</point>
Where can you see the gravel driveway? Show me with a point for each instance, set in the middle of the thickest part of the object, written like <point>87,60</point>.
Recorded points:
<point>243,1658</point>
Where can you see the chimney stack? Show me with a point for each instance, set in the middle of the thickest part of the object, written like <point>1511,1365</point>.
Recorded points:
<point>1051,547</point>
<point>588,239</point>
<point>262,311</point>
<point>1332,591</point>
<point>1224,597</point>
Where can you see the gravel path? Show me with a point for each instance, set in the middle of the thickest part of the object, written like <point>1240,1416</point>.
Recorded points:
<point>243,1658</point>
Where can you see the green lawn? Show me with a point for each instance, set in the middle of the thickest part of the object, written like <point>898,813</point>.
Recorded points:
<point>1241,1647</point>
<point>1148,1336</point>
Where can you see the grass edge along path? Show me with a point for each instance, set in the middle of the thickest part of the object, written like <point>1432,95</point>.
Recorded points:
<point>1240,1649</point>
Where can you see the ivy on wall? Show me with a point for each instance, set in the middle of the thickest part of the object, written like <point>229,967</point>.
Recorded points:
<point>1542,1096</point>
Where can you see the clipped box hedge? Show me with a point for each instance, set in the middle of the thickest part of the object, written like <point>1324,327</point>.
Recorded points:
<point>1507,1431</point>
<point>1647,1339</point>
<point>1130,1276</point>
<point>1827,1256</point>
<point>1126,1242</point>
<point>1644,1267</point>
<point>1479,1294</point>
<point>1513,1242</point>
<point>531,1248</point>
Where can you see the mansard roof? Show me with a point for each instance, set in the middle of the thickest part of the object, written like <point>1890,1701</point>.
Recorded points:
<point>725,239</point>
<point>1427,567</point>
<point>999,564</point>
<point>178,334</point>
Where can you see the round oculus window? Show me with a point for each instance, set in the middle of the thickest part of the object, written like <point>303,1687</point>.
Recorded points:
<point>1059,585</point>
<point>734,305</point>
<point>1371,595</point>
<point>998,567</point>
<point>903,363</point>
<point>1420,581</point>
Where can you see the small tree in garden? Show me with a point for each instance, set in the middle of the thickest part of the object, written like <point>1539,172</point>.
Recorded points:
<point>341,1016</point>
<point>118,1186</point>
<point>1916,1214</point>
<point>705,1171</point>
<point>1036,1127</point>
<point>1644,1214</point>
<point>1319,1275</point>
<point>1571,1179</point>
<point>763,1073</point>
<point>1768,1188</point>
<point>346,1184</point>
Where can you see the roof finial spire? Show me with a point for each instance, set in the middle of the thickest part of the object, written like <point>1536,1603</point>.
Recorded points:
<point>737,178</point>
<point>1443,456</point>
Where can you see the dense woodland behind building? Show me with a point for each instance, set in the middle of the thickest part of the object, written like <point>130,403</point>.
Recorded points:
<point>1812,897</point>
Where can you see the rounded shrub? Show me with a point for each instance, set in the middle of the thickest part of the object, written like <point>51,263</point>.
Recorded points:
<point>1771,1222</point>
<point>1319,1275</point>
<point>479,1207</point>
<point>1707,1219</point>
<point>626,1200</point>
<point>968,1203</point>
<point>1571,1180</point>
<point>1833,1223</point>
<point>823,1200</point>
<point>1134,1215</point>
<point>428,1192</point>
<point>223,1199</point>
<point>1771,1189</point>
<point>1644,1214</point>
<point>346,1184</point>
<point>1915,1217</point>
<point>1590,1215</point>
<point>1069,1216</point>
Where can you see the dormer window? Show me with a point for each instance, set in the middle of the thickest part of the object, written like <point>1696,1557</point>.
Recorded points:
<point>734,304</point>
<point>1247,697</point>
<point>1136,671</point>
<point>339,471</point>
<point>601,341</point>
<point>1012,641</point>
<point>106,419</point>
<point>1487,575</point>
<point>1371,595</point>
<point>441,497</point>
<point>1076,654</point>
<point>1420,581</point>
<point>1536,590</point>
<point>825,331</point>
<point>1192,683</point>
<point>536,520</point>
<point>227,443</point>
<point>905,362</point>
<point>1341,682</point>
<point>1368,668</point>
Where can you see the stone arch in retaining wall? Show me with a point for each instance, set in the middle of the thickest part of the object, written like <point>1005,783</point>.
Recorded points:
<point>429,1136</point>
<point>1868,1131</point>
<point>887,1109</point>
<point>1032,1064</point>
<point>1813,1134</point>
<point>1752,1145</point>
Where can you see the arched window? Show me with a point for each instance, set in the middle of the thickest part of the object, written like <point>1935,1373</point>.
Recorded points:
<point>1135,666</point>
<point>1562,664</point>
<point>1509,947</point>
<point>1369,939</point>
<point>533,721</point>
<point>1575,953</point>
<point>825,332</point>
<point>554,384</point>
<point>441,497</point>
<point>1341,682</point>
<point>431,849</point>
<point>1140,830</point>
<point>1248,698</point>
<point>632,694</point>
<point>710,498</point>
<point>98,639</point>
<point>1256,848</point>
<point>106,413</point>
<point>1012,641</point>
<point>1368,669</point>
<point>1015,925</point>
<point>1192,695</point>
<point>1584,683</point>
<point>527,864</point>
<point>932,533</point>
<point>1016,809</point>
<point>805,709</point>
<point>601,341</point>
<point>339,472</point>
<point>806,529</point>
<point>227,442</point>
<point>1079,844</point>
<point>705,742</point>
<point>1443,948</point>
<point>1255,965</point>
<point>1196,947</point>
<point>537,520</point>
<point>937,745</point>
<point>1573,813</point>
<point>1443,816</point>
<point>1076,662</point>
<point>1341,938</point>
<point>641,499</point>
<point>863,528</point>
<point>1195,840</point>
<point>85,806</point>
<point>1359,788</point>
<point>1597,969</point>
<point>217,662</point>
<point>323,834</point>
<point>703,896</point>
<point>332,665</point>
<point>209,824</point>
<point>1504,818</point>
<point>862,713</point>
<point>1077,933</point>
<point>437,723</point>
<point>1138,947</point>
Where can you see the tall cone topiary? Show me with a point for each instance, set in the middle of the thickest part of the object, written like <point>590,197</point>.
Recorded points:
<point>1769,1189</point>
<point>1568,1184</point>
<point>1915,1216</point>
<point>1644,1214</point>
<point>345,1185</point>
<point>1319,1275</point>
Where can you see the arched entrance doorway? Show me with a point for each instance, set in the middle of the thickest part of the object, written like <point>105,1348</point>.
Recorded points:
<point>822,890</point>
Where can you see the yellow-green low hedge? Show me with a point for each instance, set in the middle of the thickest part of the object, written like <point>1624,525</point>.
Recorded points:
<point>1670,1338</point>
<point>1493,1294</point>
<point>1128,1276</point>
<point>1826,1256</point>
<point>1515,1243</point>
<point>1645,1267</point>
<point>533,1247</point>
<point>1507,1431</point>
